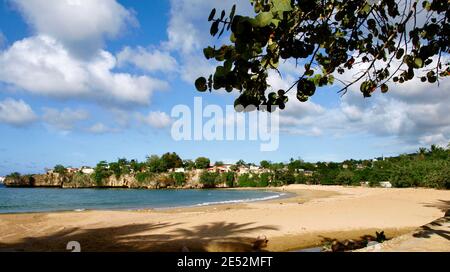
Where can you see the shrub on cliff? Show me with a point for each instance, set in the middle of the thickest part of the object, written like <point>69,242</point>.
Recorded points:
<point>144,177</point>
<point>60,169</point>
<point>209,180</point>
<point>15,175</point>
<point>228,178</point>
<point>101,172</point>
<point>179,178</point>
<point>247,180</point>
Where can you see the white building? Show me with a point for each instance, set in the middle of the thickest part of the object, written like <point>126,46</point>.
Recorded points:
<point>2,179</point>
<point>179,170</point>
<point>87,170</point>
<point>385,184</point>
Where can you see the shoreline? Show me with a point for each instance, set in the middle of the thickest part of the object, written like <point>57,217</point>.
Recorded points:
<point>302,220</point>
<point>279,195</point>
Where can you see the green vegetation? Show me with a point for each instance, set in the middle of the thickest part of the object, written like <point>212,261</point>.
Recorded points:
<point>167,161</point>
<point>425,168</point>
<point>60,169</point>
<point>101,172</point>
<point>14,175</point>
<point>329,38</point>
<point>210,179</point>
<point>179,178</point>
<point>202,163</point>
<point>144,177</point>
<point>229,179</point>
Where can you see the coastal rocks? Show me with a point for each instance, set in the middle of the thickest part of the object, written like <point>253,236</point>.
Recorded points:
<point>81,180</point>
<point>123,181</point>
<point>22,181</point>
<point>48,180</point>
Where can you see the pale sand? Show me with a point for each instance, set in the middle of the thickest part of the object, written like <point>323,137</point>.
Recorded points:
<point>316,213</point>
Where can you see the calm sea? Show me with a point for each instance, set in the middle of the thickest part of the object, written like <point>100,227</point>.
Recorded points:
<point>18,200</point>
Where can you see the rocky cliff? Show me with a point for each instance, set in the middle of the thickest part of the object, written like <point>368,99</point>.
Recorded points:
<point>79,180</point>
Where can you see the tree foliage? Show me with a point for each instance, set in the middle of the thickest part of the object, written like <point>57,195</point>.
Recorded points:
<point>60,169</point>
<point>202,163</point>
<point>384,40</point>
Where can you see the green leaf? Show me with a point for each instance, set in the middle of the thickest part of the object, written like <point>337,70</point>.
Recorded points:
<point>263,19</point>
<point>208,52</point>
<point>400,53</point>
<point>275,22</point>
<point>211,15</point>
<point>302,98</point>
<point>214,28</point>
<point>200,84</point>
<point>281,5</point>
<point>418,63</point>
<point>366,9</point>
<point>233,12</point>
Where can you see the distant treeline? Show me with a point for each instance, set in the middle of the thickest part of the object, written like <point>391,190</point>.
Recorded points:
<point>425,168</point>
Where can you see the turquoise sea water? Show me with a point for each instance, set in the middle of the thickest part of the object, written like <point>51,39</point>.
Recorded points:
<point>18,200</point>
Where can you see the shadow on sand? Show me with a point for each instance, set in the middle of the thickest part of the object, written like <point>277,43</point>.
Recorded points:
<point>438,227</point>
<point>217,236</point>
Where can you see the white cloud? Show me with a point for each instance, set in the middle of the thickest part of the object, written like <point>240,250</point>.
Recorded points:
<point>81,25</point>
<point>414,121</point>
<point>147,59</point>
<point>188,33</point>
<point>100,128</point>
<point>41,65</point>
<point>65,119</point>
<point>415,113</point>
<point>16,112</point>
<point>156,119</point>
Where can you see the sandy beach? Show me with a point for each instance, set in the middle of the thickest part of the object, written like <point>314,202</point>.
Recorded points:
<point>312,215</point>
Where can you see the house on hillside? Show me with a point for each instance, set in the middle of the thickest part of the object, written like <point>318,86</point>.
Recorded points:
<point>87,170</point>
<point>243,170</point>
<point>220,169</point>
<point>72,170</point>
<point>179,170</point>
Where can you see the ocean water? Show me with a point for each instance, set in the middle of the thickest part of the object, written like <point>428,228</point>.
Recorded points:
<point>19,200</point>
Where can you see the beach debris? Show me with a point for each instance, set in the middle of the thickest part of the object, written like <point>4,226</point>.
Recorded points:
<point>380,237</point>
<point>260,242</point>
<point>334,245</point>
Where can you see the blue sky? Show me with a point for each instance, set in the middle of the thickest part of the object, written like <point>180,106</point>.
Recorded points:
<point>83,81</point>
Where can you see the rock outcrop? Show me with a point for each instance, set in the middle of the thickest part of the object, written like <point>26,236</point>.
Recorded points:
<point>80,180</point>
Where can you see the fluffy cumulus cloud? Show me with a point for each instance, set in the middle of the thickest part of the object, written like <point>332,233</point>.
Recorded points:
<point>16,112</point>
<point>414,113</point>
<point>64,58</point>
<point>188,33</point>
<point>100,128</point>
<point>42,65</point>
<point>155,119</point>
<point>147,59</point>
<point>64,120</point>
<point>81,25</point>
